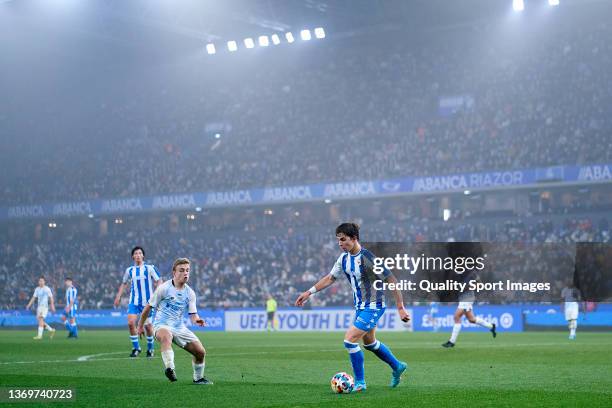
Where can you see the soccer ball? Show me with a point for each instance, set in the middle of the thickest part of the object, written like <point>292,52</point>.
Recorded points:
<point>342,383</point>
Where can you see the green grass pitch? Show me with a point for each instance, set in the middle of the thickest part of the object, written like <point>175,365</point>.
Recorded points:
<point>294,369</point>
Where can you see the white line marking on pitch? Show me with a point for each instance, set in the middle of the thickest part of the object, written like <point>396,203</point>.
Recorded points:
<point>86,358</point>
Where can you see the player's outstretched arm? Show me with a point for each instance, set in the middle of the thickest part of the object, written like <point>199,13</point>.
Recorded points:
<point>157,277</point>
<point>30,303</point>
<point>52,303</point>
<point>119,293</point>
<point>320,285</point>
<point>399,301</point>
<point>69,306</point>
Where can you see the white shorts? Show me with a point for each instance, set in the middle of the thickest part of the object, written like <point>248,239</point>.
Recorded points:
<point>42,311</point>
<point>180,336</point>
<point>571,310</point>
<point>467,306</point>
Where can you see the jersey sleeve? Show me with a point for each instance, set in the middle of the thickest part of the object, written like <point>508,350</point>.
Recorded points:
<point>158,295</point>
<point>126,275</point>
<point>49,292</point>
<point>192,302</point>
<point>154,273</point>
<point>336,270</point>
<point>369,258</point>
<point>35,293</point>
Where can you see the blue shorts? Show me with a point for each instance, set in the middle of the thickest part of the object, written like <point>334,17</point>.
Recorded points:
<point>70,314</point>
<point>134,309</point>
<point>366,319</point>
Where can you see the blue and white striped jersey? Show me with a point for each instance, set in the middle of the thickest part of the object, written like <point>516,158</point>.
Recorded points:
<point>71,296</point>
<point>42,295</point>
<point>170,305</point>
<point>358,269</point>
<point>142,278</point>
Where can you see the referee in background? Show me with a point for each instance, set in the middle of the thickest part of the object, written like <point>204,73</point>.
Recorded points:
<point>271,311</point>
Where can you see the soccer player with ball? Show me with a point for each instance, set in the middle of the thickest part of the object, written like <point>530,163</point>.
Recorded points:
<point>355,264</point>
<point>171,300</point>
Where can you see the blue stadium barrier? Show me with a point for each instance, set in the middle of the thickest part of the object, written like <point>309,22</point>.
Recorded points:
<point>315,319</point>
<point>506,317</point>
<point>509,318</point>
<point>215,320</point>
<point>595,320</point>
<point>316,192</point>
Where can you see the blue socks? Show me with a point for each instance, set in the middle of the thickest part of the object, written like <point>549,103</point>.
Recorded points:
<point>72,328</point>
<point>149,343</point>
<point>356,356</point>
<point>383,353</point>
<point>134,340</point>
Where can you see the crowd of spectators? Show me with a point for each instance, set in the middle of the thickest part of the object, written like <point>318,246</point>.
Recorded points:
<point>339,111</point>
<point>238,268</point>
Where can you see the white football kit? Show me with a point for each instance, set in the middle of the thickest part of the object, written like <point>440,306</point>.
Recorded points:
<point>170,305</point>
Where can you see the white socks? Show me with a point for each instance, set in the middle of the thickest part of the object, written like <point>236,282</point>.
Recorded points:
<point>48,327</point>
<point>456,330</point>
<point>198,370</point>
<point>168,358</point>
<point>483,323</point>
<point>40,331</point>
<point>572,326</point>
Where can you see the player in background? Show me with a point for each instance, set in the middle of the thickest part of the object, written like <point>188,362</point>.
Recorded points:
<point>571,298</point>
<point>170,302</point>
<point>142,277</point>
<point>466,307</point>
<point>271,307</point>
<point>355,264</point>
<point>44,296</point>
<point>69,317</point>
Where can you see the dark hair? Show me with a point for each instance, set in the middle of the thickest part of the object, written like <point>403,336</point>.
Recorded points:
<point>350,229</point>
<point>41,277</point>
<point>136,248</point>
<point>68,278</point>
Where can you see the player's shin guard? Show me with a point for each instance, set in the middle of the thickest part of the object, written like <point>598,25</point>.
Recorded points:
<point>356,356</point>
<point>168,358</point>
<point>134,340</point>
<point>483,323</point>
<point>198,370</point>
<point>455,333</point>
<point>384,353</point>
<point>150,344</point>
